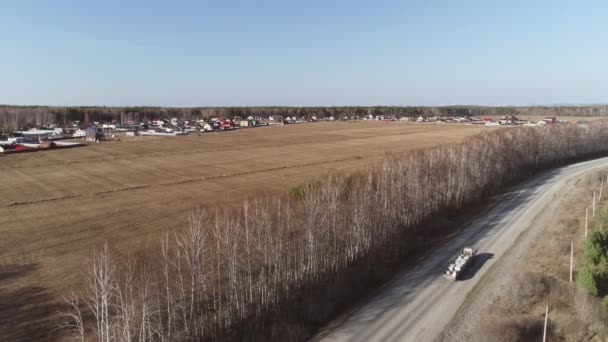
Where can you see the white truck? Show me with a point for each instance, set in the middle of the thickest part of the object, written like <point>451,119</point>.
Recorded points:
<point>462,261</point>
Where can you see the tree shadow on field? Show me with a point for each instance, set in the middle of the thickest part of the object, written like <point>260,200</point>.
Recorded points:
<point>26,312</point>
<point>478,261</point>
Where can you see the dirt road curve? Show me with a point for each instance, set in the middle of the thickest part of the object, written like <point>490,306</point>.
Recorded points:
<point>419,304</point>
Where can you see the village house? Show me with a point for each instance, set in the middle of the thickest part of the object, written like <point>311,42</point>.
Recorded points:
<point>90,133</point>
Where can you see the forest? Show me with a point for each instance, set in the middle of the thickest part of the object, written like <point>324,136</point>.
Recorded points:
<point>279,267</point>
<point>23,117</point>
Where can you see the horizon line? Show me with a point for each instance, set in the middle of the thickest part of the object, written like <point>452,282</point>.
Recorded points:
<point>316,106</point>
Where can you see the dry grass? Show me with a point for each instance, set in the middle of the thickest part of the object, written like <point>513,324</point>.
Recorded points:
<point>543,279</point>
<point>57,206</point>
<point>511,330</point>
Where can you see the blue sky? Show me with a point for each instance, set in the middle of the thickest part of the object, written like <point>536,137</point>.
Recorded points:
<point>303,53</point>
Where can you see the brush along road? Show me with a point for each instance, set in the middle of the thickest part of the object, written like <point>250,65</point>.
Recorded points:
<point>419,304</point>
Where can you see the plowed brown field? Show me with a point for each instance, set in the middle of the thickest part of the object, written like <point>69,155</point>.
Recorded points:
<point>56,206</point>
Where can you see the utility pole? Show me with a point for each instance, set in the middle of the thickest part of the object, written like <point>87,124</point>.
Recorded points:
<point>599,198</point>
<point>586,220</point>
<point>571,259</point>
<point>545,329</point>
<point>593,209</point>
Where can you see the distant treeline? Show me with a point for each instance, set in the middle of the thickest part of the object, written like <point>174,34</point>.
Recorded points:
<point>23,117</point>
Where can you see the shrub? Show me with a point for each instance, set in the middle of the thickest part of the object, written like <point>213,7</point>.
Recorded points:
<point>595,247</point>
<point>605,303</point>
<point>593,276</point>
<point>586,279</point>
<point>297,191</point>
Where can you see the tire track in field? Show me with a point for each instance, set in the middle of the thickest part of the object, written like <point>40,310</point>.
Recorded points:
<point>185,181</point>
<point>215,150</point>
<point>135,225</point>
<point>130,226</point>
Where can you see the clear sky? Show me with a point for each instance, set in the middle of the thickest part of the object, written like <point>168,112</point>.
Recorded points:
<point>313,52</point>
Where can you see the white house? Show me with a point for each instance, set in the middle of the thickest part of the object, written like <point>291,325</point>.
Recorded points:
<point>78,134</point>
<point>90,133</point>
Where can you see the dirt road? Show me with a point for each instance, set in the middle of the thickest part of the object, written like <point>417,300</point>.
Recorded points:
<point>419,304</point>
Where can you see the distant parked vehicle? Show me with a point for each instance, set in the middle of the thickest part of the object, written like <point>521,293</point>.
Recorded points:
<point>228,125</point>
<point>461,263</point>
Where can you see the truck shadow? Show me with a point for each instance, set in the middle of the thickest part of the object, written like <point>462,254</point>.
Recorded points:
<point>478,262</point>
